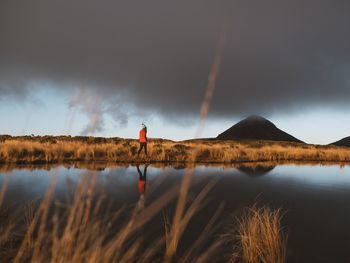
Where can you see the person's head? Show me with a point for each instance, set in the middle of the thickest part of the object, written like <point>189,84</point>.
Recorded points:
<point>143,126</point>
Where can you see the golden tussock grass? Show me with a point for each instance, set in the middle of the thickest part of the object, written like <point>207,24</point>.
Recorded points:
<point>88,149</point>
<point>260,238</point>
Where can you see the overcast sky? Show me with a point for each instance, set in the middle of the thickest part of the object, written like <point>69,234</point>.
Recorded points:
<point>102,66</point>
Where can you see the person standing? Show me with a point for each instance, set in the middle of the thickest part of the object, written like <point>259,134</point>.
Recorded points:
<point>143,139</point>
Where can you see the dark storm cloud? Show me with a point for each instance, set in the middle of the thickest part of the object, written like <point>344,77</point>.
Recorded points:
<point>157,54</point>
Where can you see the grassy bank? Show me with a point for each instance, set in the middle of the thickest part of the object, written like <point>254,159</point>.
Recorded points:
<point>87,149</point>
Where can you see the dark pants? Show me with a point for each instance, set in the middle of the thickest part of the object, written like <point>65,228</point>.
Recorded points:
<point>142,177</point>
<point>144,146</point>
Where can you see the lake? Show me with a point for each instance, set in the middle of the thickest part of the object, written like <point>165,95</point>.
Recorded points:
<point>315,198</point>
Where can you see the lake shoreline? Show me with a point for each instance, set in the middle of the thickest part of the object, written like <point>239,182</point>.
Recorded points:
<point>102,165</point>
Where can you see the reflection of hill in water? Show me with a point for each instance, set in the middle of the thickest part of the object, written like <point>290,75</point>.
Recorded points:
<point>256,170</point>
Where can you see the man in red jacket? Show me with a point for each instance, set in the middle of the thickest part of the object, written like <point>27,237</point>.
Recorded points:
<point>143,139</point>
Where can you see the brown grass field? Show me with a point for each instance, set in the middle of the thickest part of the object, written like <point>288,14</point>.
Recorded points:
<point>27,150</point>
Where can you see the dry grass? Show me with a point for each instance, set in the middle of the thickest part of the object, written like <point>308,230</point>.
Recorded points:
<point>260,237</point>
<point>62,149</point>
<point>85,229</point>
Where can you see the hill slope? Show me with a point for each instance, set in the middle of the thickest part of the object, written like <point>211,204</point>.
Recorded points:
<point>256,128</point>
<point>343,142</point>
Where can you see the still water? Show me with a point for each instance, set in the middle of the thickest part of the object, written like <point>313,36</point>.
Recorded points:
<point>315,198</point>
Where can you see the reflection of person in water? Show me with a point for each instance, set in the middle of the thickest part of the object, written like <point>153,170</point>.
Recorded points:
<point>142,185</point>
<point>142,179</point>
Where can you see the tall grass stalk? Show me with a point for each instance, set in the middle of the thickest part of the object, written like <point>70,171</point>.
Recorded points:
<point>86,230</point>
<point>260,237</point>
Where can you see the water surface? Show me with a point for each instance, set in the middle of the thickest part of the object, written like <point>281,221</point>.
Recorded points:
<point>315,198</point>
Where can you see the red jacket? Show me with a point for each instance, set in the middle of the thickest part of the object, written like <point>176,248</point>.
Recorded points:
<point>143,135</point>
<point>142,186</point>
